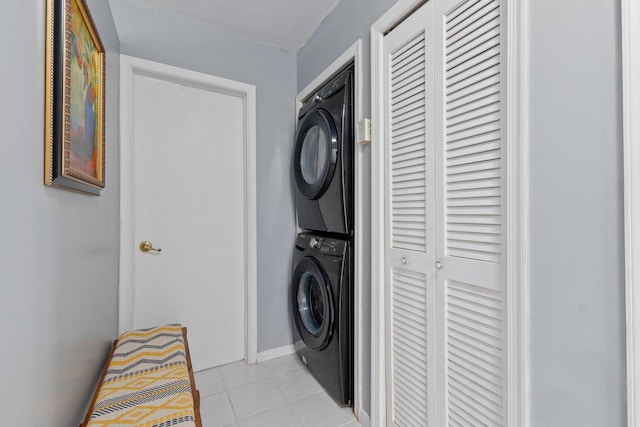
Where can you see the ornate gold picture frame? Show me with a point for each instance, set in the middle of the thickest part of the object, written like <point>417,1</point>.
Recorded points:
<point>75,104</point>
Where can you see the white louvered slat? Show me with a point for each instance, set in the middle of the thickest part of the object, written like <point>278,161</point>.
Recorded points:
<point>407,156</point>
<point>463,137</point>
<point>477,91</point>
<point>488,30</point>
<point>463,11</point>
<point>483,149</point>
<point>408,150</point>
<point>405,76</point>
<point>403,103</point>
<point>411,95</point>
<point>481,100</point>
<point>408,85</point>
<point>474,82</point>
<point>470,168</point>
<point>409,142</point>
<point>483,154</point>
<point>409,347</point>
<point>474,114</point>
<point>411,114</point>
<point>470,20</point>
<point>410,57</point>
<point>480,48</point>
<point>472,78</point>
<point>473,126</point>
<point>405,110</point>
<point>452,146</point>
<point>407,48</point>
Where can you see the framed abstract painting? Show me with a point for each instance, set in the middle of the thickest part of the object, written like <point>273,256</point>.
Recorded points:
<point>75,101</point>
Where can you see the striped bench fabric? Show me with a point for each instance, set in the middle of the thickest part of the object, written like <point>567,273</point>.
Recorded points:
<point>147,382</point>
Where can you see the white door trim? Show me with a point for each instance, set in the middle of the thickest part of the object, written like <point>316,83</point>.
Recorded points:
<point>517,226</point>
<point>352,54</point>
<point>130,66</point>
<point>517,182</point>
<point>631,134</point>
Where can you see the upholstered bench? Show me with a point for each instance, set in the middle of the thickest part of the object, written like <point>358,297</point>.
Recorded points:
<point>147,381</point>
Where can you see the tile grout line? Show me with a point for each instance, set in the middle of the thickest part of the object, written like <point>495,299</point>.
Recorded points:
<point>295,415</point>
<point>203,396</point>
<point>226,390</point>
<point>233,409</point>
<point>272,380</point>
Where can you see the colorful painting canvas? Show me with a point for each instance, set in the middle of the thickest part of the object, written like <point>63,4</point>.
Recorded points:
<point>75,107</point>
<point>85,80</point>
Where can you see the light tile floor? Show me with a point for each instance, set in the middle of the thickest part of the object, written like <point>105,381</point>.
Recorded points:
<point>276,393</point>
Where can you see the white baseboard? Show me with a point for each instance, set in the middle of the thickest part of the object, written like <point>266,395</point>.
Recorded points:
<point>364,419</point>
<point>274,353</point>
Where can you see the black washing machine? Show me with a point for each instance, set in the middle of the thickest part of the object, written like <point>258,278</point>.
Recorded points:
<point>321,298</point>
<point>323,158</point>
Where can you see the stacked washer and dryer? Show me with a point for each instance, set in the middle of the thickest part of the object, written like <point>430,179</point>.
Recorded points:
<point>322,279</point>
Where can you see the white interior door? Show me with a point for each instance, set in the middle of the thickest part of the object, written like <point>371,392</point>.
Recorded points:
<point>470,285</point>
<point>189,202</point>
<point>409,221</point>
<point>444,218</point>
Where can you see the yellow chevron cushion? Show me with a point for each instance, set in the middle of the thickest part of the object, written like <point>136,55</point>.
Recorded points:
<point>147,382</point>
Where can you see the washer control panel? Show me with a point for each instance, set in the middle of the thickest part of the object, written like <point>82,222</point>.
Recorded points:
<point>321,244</point>
<point>313,243</point>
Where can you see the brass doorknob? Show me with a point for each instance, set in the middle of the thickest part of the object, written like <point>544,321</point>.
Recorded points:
<point>146,246</point>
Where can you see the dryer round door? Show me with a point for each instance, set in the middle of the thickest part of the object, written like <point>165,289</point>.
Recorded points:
<point>312,303</point>
<point>316,153</point>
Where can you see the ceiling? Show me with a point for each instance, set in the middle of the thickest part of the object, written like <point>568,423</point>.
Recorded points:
<point>286,24</point>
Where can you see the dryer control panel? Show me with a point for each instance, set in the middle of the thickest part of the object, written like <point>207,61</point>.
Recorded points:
<point>330,89</point>
<point>335,85</point>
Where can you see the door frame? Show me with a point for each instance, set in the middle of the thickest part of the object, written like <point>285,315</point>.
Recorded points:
<point>517,208</point>
<point>352,54</point>
<point>129,67</point>
<point>630,17</point>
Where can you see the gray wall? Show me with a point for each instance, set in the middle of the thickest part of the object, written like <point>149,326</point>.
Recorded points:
<point>350,20</point>
<point>58,250</point>
<point>577,284</point>
<point>166,38</point>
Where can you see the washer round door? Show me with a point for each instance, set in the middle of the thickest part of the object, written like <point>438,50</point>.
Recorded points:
<point>316,153</point>
<point>312,303</point>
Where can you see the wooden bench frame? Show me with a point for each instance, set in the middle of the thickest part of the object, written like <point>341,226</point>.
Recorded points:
<point>194,392</point>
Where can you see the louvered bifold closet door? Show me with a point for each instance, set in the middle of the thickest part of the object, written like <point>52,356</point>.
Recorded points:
<point>409,222</point>
<point>470,284</point>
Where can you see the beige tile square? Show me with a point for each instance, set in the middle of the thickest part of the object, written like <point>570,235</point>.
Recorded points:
<point>240,373</point>
<point>209,382</point>
<point>319,410</point>
<point>283,364</point>
<point>279,417</point>
<point>297,384</point>
<point>254,398</point>
<point>216,411</point>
